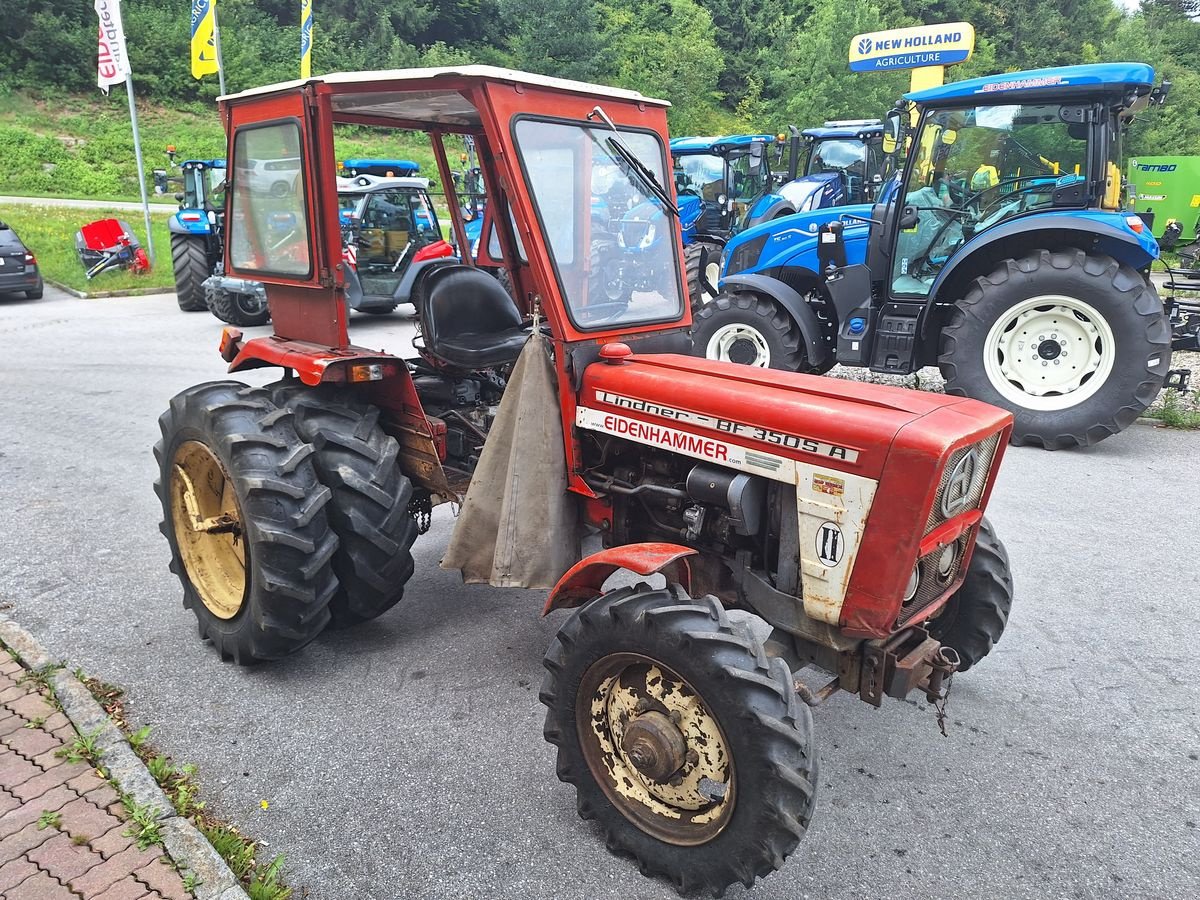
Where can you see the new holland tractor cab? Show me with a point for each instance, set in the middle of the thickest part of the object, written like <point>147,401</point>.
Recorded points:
<point>793,521</point>
<point>844,163</point>
<point>196,229</point>
<point>1006,258</point>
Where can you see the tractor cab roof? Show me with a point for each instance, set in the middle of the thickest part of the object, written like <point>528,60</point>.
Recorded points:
<point>1039,84</point>
<point>367,184</point>
<point>431,96</point>
<point>202,163</point>
<point>862,130</point>
<point>695,146</point>
<point>399,167</point>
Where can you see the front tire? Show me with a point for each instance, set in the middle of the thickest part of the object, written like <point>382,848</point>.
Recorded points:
<point>244,515</point>
<point>357,461</point>
<point>1075,346</point>
<point>973,620</point>
<point>684,740</point>
<point>243,310</point>
<point>189,259</point>
<point>698,259</point>
<point>746,328</point>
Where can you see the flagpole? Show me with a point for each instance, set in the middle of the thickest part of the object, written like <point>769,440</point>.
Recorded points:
<point>137,152</point>
<point>217,47</point>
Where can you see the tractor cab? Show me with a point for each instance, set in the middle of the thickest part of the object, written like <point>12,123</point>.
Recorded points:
<point>844,163</point>
<point>729,174</point>
<point>545,254</point>
<point>202,200</point>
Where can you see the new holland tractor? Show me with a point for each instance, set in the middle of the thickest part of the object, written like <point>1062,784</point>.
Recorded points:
<point>196,229</point>
<point>794,522</point>
<point>1006,258</point>
<point>844,164</point>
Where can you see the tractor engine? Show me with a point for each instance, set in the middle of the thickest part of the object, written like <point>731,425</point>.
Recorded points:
<point>667,497</point>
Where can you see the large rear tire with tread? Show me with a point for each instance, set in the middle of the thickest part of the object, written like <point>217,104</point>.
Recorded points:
<point>189,258</point>
<point>369,511</point>
<point>1076,346</point>
<point>257,569</point>
<point>973,620</point>
<point>642,679</point>
<point>243,310</point>
<point>748,328</point>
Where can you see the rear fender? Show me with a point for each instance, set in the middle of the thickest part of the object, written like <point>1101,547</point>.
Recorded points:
<point>802,314</point>
<point>176,224</point>
<point>584,581</point>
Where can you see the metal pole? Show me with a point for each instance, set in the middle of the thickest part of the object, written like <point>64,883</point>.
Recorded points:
<point>217,46</point>
<point>137,151</point>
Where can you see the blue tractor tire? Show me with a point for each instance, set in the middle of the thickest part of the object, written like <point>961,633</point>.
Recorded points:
<point>1075,345</point>
<point>189,258</point>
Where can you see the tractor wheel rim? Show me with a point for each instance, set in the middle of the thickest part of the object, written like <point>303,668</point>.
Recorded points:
<point>740,344</point>
<point>207,520</point>
<point>656,751</point>
<point>249,304</point>
<point>1049,352</point>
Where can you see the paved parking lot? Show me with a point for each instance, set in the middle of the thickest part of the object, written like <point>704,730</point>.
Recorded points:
<point>405,758</point>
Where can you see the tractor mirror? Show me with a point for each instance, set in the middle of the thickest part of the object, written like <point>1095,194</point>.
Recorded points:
<point>179,198</point>
<point>893,128</point>
<point>756,156</point>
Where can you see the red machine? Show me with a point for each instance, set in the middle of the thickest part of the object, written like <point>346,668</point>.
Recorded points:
<point>794,521</point>
<point>109,244</point>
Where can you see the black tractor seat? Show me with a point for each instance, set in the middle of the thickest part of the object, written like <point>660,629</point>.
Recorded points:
<point>469,320</point>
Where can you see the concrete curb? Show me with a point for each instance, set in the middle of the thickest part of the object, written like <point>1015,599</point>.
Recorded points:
<point>183,842</point>
<point>99,295</point>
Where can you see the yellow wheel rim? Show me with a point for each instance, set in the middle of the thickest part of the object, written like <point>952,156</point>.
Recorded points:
<point>655,749</point>
<point>208,529</point>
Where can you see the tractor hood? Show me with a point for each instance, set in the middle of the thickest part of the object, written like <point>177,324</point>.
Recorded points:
<point>812,191</point>
<point>772,423</point>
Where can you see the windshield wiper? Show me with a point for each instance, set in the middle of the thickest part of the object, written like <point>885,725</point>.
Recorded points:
<point>634,165</point>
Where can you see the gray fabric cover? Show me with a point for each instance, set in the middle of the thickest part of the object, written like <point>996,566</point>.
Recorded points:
<point>518,526</point>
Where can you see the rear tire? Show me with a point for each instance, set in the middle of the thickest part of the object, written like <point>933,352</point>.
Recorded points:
<point>261,589</point>
<point>697,258</point>
<point>189,258</point>
<point>973,620</point>
<point>741,799</point>
<point>357,461</point>
<point>244,310</point>
<point>1001,345</point>
<point>37,292</point>
<point>747,328</point>
<point>378,310</point>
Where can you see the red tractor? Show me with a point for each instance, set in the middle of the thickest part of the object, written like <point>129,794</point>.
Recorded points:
<point>789,520</point>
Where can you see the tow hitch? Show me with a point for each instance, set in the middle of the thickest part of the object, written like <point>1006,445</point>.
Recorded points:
<point>908,660</point>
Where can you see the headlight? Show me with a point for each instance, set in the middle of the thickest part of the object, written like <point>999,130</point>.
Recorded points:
<point>945,560</point>
<point>648,238</point>
<point>914,580</point>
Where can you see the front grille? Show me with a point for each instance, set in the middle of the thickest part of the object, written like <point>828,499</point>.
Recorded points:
<point>930,586</point>
<point>969,498</point>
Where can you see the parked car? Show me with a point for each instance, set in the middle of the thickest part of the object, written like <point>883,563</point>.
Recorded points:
<point>18,266</point>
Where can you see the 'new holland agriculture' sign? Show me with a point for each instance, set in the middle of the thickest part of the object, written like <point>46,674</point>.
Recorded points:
<point>912,48</point>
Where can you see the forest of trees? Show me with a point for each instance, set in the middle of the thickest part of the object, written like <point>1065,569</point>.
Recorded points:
<point>727,65</point>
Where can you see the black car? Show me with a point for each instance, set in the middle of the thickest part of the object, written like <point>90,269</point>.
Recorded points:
<point>18,267</point>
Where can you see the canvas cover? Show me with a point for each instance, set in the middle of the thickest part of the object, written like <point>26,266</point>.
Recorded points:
<point>519,527</point>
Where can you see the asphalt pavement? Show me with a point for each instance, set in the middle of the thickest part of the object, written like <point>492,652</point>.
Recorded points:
<point>404,758</point>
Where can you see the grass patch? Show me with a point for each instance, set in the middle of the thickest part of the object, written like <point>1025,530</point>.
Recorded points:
<point>1177,410</point>
<point>50,233</point>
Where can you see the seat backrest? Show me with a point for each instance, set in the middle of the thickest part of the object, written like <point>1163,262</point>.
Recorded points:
<point>465,300</point>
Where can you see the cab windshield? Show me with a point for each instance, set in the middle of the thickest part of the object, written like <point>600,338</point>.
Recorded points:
<point>973,168</point>
<point>702,174</point>
<point>838,156</point>
<point>610,239</point>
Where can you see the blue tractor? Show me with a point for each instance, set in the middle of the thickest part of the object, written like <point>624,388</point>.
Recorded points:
<point>196,229</point>
<point>1007,257</point>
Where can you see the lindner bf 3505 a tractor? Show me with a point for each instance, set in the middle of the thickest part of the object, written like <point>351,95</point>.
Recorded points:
<point>798,521</point>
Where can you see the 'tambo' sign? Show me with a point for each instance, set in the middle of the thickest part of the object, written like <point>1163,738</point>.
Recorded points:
<point>912,48</point>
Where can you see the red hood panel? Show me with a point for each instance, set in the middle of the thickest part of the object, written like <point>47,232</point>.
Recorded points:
<point>863,418</point>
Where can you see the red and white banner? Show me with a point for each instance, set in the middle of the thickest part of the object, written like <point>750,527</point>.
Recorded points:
<point>113,62</point>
